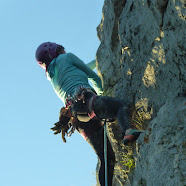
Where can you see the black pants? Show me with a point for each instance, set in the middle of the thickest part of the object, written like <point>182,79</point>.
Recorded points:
<point>96,140</point>
<point>93,129</point>
<point>106,108</point>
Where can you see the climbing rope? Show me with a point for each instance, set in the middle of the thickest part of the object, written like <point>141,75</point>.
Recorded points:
<point>105,152</point>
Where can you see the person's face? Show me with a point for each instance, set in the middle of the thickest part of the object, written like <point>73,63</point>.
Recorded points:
<point>62,52</point>
<point>43,65</point>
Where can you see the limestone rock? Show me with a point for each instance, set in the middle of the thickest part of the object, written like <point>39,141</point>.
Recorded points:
<point>142,59</point>
<point>161,151</point>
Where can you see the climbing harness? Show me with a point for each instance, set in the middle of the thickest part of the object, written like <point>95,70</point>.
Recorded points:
<point>105,152</point>
<point>80,95</point>
<point>91,112</point>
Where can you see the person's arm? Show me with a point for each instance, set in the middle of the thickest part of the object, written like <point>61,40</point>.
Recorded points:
<point>92,76</point>
<point>92,64</point>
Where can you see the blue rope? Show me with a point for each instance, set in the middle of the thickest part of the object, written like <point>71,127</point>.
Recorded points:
<point>105,152</point>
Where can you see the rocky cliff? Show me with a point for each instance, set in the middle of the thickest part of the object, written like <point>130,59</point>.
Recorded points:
<point>142,59</point>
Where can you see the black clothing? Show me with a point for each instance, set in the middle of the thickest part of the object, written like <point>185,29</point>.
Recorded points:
<point>93,133</point>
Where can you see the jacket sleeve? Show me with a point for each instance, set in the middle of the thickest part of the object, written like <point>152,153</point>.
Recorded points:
<point>92,76</point>
<point>92,64</point>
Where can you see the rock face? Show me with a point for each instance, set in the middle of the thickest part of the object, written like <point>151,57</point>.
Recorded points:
<point>161,158</point>
<point>142,59</point>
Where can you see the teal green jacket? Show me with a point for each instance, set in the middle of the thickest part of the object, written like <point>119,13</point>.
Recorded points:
<point>67,72</point>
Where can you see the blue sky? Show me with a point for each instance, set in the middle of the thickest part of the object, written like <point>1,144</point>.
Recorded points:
<point>30,153</point>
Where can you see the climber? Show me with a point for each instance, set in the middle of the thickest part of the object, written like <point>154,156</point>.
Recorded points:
<point>92,132</point>
<point>69,77</point>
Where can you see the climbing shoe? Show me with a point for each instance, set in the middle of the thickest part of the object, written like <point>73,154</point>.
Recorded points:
<point>132,136</point>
